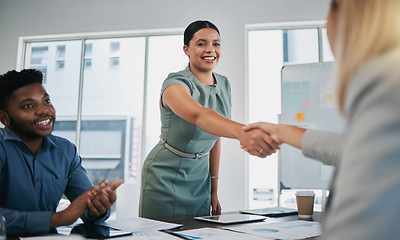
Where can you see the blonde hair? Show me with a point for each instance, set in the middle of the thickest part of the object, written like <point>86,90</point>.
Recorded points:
<point>366,29</point>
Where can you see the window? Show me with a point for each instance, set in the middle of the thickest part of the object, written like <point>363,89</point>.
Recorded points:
<point>88,63</point>
<point>114,62</point>
<point>112,107</point>
<point>39,55</point>
<point>60,58</point>
<point>63,86</point>
<point>327,52</point>
<point>38,59</point>
<point>114,54</point>
<point>165,56</point>
<point>114,47</point>
<point>103,110</point>
<point>269,49</point>
<point>88,56</point>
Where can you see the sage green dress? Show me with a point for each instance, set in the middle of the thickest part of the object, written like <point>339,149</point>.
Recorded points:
<point>173,185</point>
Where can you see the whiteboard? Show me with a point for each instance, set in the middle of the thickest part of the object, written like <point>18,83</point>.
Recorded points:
<point>308,101</point>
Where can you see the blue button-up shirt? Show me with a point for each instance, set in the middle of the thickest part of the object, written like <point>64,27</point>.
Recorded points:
<point>31,185</point>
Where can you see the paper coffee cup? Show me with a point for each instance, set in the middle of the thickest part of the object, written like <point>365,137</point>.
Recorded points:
<point>305,204</point>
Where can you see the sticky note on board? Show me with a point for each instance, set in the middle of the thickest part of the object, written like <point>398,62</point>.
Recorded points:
<point>305,103</point>
<point>329,98</point>
<point>306,94</point>
<point>305,85</point>
<point>287,86</point>
<point>299,116</point>
<point>296,85</point>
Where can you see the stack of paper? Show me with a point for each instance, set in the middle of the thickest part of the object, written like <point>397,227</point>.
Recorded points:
<point>140,225</point>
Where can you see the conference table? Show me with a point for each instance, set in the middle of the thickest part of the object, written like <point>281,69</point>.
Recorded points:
<point>189,222</point>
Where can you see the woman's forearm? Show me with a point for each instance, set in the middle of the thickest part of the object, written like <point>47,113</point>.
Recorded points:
<point>212,122</point>
<point>291,135</point>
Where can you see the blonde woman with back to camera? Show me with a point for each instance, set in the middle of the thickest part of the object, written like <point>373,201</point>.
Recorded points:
<point>365,38</point>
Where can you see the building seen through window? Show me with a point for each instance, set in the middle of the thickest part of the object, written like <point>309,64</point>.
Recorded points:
<point>111,138</point>
<point>60,57</point>
<point>88,56</point>
<point>112,101</point>
<point>39,58</point>
<point>114,54</point>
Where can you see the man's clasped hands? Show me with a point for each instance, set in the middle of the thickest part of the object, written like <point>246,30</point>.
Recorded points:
<point>96,201</point>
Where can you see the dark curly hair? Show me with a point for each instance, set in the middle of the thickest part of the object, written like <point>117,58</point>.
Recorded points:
<point>13,80</point>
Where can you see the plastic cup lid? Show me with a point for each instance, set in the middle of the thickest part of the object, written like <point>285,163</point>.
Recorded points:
<point>305,193</point>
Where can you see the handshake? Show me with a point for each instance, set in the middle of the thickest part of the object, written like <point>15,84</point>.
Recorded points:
<point>260,139</point>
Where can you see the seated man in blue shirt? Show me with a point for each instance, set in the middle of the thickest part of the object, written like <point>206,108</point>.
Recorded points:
<point>37,168</point>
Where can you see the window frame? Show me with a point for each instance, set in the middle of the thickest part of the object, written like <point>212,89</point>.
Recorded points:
<point>319,25</point>
<point>25,41</point>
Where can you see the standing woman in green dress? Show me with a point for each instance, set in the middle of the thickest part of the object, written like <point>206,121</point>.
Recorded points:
<point>180,174</point>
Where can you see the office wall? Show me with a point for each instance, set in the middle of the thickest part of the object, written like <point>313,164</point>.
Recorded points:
<point>42,17</point>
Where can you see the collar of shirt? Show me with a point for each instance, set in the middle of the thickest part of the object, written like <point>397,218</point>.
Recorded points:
<point>9,135</point>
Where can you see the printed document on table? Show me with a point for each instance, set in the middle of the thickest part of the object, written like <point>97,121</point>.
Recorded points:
<point>140,225</point>
<point>153,235</point>
<point>281,230</point>
<point>54,237</point>
<point>214,234</point>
